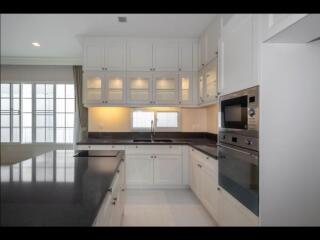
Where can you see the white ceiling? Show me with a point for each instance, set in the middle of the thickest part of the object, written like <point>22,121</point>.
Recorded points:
<point>58,34</point>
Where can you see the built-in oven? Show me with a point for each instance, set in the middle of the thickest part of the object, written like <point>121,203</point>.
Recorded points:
<point>239,111</point>
<point>239,174</point>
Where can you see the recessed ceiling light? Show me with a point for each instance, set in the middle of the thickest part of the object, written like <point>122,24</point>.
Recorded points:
<point>122,19</point>
<point>36,44</point>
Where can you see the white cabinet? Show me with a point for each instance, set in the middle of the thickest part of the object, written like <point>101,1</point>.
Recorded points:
<point>139,55</point>
<point>211,81</point>
<point>232,213</point>
<point>239,51</point>
<point>185,88</point>
<point>166,86</point>
<point>167,169</point>
<point>202,52</point>
<point>186,55</point>
<point>139,169</point>
<point>166,55</point>
<point>93,87</point>
<point>102,87</point>
<point>275,23</point>
<point>104,54</point>
<point>201,86</point>
<point>139,89</point>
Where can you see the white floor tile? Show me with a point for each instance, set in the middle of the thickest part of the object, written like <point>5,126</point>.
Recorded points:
<point>176,207</point>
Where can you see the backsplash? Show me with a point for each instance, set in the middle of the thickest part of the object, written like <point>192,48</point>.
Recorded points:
<point>118,119</point>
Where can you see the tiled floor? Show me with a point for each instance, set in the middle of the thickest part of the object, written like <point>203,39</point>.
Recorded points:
<point>176,207</point>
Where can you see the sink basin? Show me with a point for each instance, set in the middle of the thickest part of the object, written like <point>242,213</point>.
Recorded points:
<point>141,140</point>
<point>162,140</point>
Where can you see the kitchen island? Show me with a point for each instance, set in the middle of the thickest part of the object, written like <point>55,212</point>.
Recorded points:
<point>56,188</point>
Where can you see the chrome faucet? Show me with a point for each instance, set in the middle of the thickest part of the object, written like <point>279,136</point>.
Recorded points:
<point>152,130</point>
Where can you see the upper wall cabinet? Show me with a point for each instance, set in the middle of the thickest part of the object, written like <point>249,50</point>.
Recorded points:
<point>208,43</point>
<point>139,55</point>
<point>166,55</point>
<point>104,54</point>
<point>239,51</point>
<point>275,23</point>
<point>186,55</point>
<point>166,88</point>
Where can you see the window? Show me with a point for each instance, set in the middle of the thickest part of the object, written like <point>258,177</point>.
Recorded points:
<point>41,113</point>
<point>164,120</point>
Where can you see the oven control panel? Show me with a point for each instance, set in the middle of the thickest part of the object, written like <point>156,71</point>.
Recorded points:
<point>239,140</point>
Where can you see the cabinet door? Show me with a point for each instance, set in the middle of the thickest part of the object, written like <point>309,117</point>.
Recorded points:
<point>139,88</point>
<point>230,213</point>
<point>201,82</point>
<point>115,54</point>
<point>139,170</point>
<point>139,55</point>
<point>186,55</point>
<point>115,87</point>
<point>196,178</point>
<point>211,40</point>
<point>166,55</point>
<point>238,54</point>
<point>211,81</point>
<point>202,52</point>
<point>185,87</point>
<point>167,169</point>
<point>93,54</point>
<point>166,88</point>
<point>94,87</point>
<point>209,192</point>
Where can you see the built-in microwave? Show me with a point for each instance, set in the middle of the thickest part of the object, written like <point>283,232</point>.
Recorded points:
<point>239,111</point>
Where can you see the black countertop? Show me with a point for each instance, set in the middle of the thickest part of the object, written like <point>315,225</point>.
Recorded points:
<point>205,145</point>
<point>56,189</point>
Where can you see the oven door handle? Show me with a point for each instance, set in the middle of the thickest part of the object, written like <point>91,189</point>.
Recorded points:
<point>237,150</point>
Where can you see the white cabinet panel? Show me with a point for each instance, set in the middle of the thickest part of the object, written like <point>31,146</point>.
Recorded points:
<point>116,86</point>
<point>211,37</point>
<point>115,54</point>
<point>211,81</point>
<point>93,54</point>
<point>167,169</point>
<point>93,87</point>
<point>185,88</point>
<point>202,52</point>
<point>139,87</point>
<point>166,88</point>
<point>139,169</point>
<point>233,213</point>
<point>139,55</point>
<point>238,54</point>
<point>186,55</point>
<point>166,55</point>
<point>201,86</point>
<point>209,192</point>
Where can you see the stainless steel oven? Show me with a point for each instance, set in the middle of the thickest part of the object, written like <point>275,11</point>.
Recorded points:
<point>239,111</point>
<point>238,146</point>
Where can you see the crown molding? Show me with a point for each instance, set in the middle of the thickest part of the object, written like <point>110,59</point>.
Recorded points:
<point>40,61</point>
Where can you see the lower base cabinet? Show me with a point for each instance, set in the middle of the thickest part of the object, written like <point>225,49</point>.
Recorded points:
<point>232,213</point>
<point>139,169</point>
<point>167,169</point>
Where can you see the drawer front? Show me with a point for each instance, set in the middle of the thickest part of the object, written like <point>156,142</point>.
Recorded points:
<point>153,150</point>
<point>100,147</point>
<point>208,161</point>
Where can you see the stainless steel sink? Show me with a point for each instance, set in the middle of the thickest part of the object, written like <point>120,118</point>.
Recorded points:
<point>154,140</point>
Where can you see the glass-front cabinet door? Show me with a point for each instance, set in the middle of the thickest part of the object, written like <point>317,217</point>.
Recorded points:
<point>139,87</point>
<point>93,85</point>
<point>166,88</point>
<point>185,88</point>
<point>115,88</point>
<point>211,81</point>
<point>201,85</point>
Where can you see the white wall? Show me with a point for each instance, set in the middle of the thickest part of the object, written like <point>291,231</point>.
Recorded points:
<point>289,135</point>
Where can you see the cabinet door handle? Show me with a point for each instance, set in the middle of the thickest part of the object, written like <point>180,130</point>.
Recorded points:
<point>155,156</point>
<point>150,69</point>
<point>218,189</point>
<point>150,101</point>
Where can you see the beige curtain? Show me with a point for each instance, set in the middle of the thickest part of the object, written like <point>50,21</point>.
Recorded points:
<point>81,114</point>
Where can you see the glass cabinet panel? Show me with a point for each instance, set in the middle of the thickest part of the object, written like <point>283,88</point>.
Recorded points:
<point>211,80</point>
<point>115,90</point>
<point>139,87</point>
<point>201,86</point>
<point>166,88</point>
<point>93,87</point>
<point>185,88</point>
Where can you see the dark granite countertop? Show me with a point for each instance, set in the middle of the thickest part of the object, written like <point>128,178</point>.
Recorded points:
<point>203,144</point>
<point>56,189</point>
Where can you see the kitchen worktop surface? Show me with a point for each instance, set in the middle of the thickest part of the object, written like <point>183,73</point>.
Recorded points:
<point>203,144</point>
<point>56,189</point>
